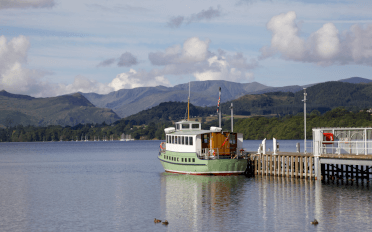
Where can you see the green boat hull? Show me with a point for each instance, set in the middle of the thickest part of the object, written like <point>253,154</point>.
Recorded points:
<point>175,162</point>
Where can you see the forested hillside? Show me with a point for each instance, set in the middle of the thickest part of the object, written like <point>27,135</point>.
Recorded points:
<point>288,127</point>
<point>322,97</point>
<point>292,127</point>
<point>63,110</point>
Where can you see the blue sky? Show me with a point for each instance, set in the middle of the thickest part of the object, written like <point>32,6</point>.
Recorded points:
<point>54,47</point>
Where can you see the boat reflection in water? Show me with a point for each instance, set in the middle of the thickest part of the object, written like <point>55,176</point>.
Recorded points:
<point>195,203</point>
<point>237,203</point>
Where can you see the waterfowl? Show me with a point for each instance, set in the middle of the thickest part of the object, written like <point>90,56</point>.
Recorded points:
<point>165,222</point>
<point>157,220</point>
<point>315,222</point>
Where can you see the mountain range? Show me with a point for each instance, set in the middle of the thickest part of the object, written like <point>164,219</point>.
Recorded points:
<point>248,98</point>
<point>126,102</point>
<point>62,110</point>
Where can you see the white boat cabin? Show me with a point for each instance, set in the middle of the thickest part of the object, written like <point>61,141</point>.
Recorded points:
<point>187,137</point>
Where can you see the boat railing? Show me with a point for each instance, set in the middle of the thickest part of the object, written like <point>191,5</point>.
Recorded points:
<point>217,153</point>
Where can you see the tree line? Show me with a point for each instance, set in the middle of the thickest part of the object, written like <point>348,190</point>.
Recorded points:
<point>258,127</point>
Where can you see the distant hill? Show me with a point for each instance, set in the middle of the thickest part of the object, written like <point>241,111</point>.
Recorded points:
<point>321,97</point>
<point>127,102</point>
<point>62,110</point>
<point>356,80</point>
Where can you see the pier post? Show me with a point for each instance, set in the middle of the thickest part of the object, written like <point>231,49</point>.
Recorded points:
<point>305,167</point>
<point>283,165</point>
<point>316,167</point>
<point>292,166</point>
<point>296,165</point>
<point>287,162</point>
<point>301,167</point>
<point>275,147</point>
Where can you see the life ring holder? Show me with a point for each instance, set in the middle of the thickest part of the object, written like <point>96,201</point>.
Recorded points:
<point>212,153</point>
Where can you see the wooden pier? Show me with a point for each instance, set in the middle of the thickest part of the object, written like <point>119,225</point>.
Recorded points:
<point>333,167</point>
<point>284,164</point>
<point>343,154</point>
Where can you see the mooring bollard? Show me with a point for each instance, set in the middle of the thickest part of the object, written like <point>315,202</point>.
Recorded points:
<point>298,147</point>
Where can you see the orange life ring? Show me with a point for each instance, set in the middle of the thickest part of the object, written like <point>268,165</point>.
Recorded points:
<point>161,145</point>
<point>328,137</point>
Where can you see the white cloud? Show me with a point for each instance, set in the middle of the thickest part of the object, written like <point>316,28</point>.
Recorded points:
<point>326,46</point>
<point>222,70</point>
<point>285,37</point>
<point>359,41</point>
<point>194,50</point>
<point>134,79</point>
<point>13,76</point>
<point>83,84</point>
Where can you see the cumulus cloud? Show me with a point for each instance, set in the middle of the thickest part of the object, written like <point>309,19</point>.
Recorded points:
<point>326,46</point>
<point>83,84</point>
<point>126,59</point>
<point>221,69</point>
<point>13,76</point>
<point>5,4</point>
<point>193,50</point>
<point>195,58</point>
<point>134,79</point>
<point>211,13</point>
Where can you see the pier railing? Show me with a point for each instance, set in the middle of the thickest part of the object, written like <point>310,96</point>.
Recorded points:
<point>345,147</point>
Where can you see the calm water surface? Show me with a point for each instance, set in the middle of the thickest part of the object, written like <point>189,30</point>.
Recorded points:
<point>121,186</point>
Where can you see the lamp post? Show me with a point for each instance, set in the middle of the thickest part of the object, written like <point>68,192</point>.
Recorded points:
<point>305,94</point>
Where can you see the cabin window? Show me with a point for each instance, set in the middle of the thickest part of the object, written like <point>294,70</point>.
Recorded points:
<point>189,159</point>
<point>181,159</point>
<point>173,139</point>
<point>177,126</point>
<point>193,160</point>
<point>195,126</point>
<point>178,159</point>
<point>183,139</point>
<point>187,140</point>
<point>190,141</point>
<point>167,138</point>
<point>177,140</point>
<point>185,126</point>
<point>186,160</point>
<point>232,139</point>
<point>205,138</point>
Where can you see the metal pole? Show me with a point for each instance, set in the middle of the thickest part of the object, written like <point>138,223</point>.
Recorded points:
<point>305,119</point>
<point>219,108</point>
<point>232,118</point>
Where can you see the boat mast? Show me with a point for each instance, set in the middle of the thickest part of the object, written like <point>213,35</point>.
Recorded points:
<point>188,105</point>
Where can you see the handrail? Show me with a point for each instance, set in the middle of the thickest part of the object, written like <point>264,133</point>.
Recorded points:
<point>357,147</point>
<point>216,153</point>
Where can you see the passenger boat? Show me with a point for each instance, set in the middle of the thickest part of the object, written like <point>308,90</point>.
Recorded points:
<point>190,150</point>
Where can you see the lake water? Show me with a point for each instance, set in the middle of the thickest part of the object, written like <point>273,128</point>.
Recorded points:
<point>121,186</point>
